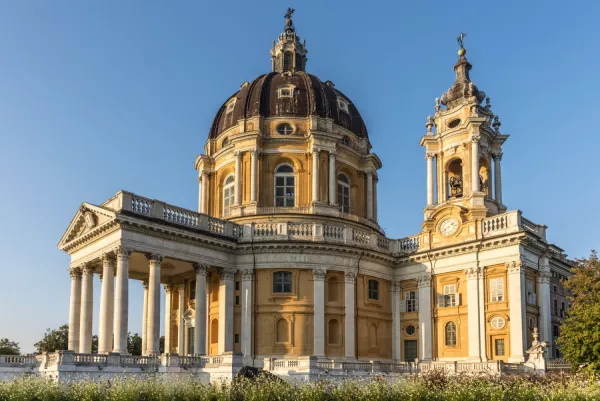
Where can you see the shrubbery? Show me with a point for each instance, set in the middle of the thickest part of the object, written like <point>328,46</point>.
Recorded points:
<point>429,387</point>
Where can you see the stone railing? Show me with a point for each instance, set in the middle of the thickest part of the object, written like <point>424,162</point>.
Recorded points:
<point>89,359</point>
<point>129,202</point>
<point>510,222</point>
<point>194,361</point>
<point>135,360</point>
<point>18,360</point>
<point>558,364</point>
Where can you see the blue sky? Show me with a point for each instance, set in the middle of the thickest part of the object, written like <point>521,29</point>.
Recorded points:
<point>101,96</point>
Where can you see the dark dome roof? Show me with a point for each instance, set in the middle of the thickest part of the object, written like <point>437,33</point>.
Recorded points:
<point>312,97</point>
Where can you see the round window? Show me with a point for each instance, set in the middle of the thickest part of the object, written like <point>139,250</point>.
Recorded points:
<point>498,322</point>
<point>284,129</point>
<point>454,123</point>
<point>410,330</point>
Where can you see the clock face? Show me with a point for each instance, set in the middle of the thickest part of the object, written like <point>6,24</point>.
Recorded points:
<point>448,226</point>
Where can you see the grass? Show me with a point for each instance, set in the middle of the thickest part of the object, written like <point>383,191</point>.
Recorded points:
<point>430,387</point>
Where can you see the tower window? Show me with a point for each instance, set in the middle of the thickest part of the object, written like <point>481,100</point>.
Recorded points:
<point>285,129</point>
<point>282,282</point>
<point>287,61</point>
<point>343,106</point>
<point>286,91</point>
<point>344,193</point>
<point>345,141</point>
<point>455,179</point>
<point>285,186</point>
<point>454,123</point>
<point>230,106</point>
<point>228,190</point>
<point>450,334</point>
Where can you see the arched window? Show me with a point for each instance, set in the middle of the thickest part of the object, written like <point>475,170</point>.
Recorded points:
<point>333,332</point>
<point>450,334</point>
<point>228,190</point>
<point>455,179</point>
<point>287,61</point>
<point>333,292</point>
<point>344,193</point>
<point>214,331</point>
<point>285,186</point>
<point>225,142</point>
<point>283,331</point>
<point>345,141</point>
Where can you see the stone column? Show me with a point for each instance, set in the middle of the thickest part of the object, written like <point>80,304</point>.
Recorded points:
<point>247,279</point>
<point>74,308</point>
<point>315,175</point>
<point>545,323</point>
<point>396,326</point>
<point>350,311</point>
<point>200,311</point>
<point>473,313</point>
<point>180,323</point>
<point>332,180</point>
<point>497,177</point>
<point>204,193</point>
<point>153,328</point>
<point>516,297</point>
<point>168,295</point>
<point>429,157</point>
<point>319,312</point>
<point>200,192</point>
<point>369,195</point>
<point>122,300</point>
<point>226,290</point>
<point>145,319</point>
<point>475,164</point>
<point>253,175</point>
<point>237,195</point>
<point>107,305</point>
<point>87,307</point>
<point>425,334</point>
<point>375,181</point>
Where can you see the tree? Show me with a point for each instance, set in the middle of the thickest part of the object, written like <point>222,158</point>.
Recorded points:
<point>54,340</point>
<point>134,344</point>
<point>579,339</point>
<point>8,347</point>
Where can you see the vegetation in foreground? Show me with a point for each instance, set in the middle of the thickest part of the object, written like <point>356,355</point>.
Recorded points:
<point>429,387</point>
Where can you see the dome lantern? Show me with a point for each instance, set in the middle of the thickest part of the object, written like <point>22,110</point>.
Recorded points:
<point>288,54</point>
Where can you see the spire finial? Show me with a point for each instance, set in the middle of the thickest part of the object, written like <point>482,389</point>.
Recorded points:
<point>289,25</point>
<point>462,51</point>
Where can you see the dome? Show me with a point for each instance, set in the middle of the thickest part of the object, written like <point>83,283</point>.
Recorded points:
<point>307,96</point>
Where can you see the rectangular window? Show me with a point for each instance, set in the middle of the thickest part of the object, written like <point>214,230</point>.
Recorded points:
<point>449,296</point>
<point>237,299</point>
<point>555,331</point>
<point>192,289</point>
<point>531,296</point>
<point>411,301</point>
<point>555,309</point>
<point>237,285</point>
<point>282,282</point>
<point>237,338</point>
<point>374,289</point>
<point>190,340</point>
<point>497,289</point>
<point>499,345</point>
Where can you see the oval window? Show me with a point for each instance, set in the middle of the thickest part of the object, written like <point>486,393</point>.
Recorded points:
<point>497,322</point>
<point>454,123</point>
<point>410,330</point>
<point>284,129</point>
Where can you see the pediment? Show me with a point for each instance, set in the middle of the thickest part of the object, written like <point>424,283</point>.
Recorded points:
<point>88,218</point>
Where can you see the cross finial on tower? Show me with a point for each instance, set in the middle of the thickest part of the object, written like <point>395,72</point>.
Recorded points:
<point>462,51</point>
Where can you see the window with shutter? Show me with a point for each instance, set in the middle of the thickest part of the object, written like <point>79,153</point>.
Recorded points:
<point>451,298</point>
<point>497,289</point>
<point>410,298</point>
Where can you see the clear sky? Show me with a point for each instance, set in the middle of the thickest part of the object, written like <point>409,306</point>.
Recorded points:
<point>101,96</point>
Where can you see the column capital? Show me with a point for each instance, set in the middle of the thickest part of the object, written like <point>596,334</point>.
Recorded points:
<point>155,258</point>
<point>396,286</point>
<point>515,267</point>
<point>544,277</point>
<point>226,273</point>
<point>87,268</point>
<point>424,280</point>
<point>472,273</point>
<point>75,272</point>
<point>429,155</point>
<point>475,139</point>
<point>237,154</point>
<point>247,274</point>
<point>169,287</point>
<point>319,274</point>
<point>350,276</point>
<point>200,268</point>
<point>497,156</point>
<point>145,284</point>
<point>123,253</point>
<point>108,258</point>
<point>256,152</point>
<point>332,154</point>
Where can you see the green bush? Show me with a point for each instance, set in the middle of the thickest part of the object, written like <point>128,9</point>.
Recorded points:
<point>431,387</point>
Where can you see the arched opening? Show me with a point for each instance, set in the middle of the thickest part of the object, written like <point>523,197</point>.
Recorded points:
<point>333,290</point>
<point>283,331</point>
<point>214,331</point>
<point>287,61</point>
<point>333,332</point>
<point>373,335</point>
<point>450,334</point>
<point>228,194</point>
<point>285,186</point>
<point>455,179</point>
<point>485,183</point>
<point>344,193</point>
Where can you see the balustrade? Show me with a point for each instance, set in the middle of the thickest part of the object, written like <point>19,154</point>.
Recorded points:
<point>89,359</point>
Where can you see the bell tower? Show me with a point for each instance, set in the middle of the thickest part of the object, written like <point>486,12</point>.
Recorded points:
<point>463,144</point>
<point>288,54</point>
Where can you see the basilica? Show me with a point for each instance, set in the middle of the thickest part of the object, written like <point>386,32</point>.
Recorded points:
<point>285,261</point>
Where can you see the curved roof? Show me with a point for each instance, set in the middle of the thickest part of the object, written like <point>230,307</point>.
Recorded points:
<point>310,97</point>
